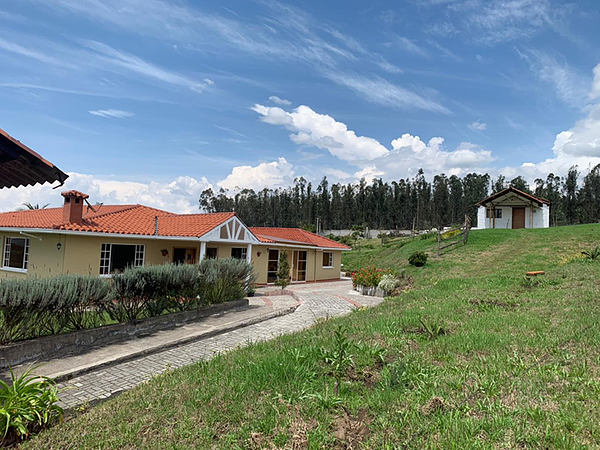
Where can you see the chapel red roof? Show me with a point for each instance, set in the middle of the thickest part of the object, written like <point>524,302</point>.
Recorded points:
<point>294,235</point>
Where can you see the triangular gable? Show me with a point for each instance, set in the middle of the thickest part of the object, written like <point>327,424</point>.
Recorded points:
<point>515,192</point>
<point>233,230</point>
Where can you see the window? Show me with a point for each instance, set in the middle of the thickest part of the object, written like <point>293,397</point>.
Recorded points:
<point>327,260</point>
<point>239,253</point>
<point>212,252</point>
<point>117,257</point>
<point>498,213</point>
<point>16,253</point>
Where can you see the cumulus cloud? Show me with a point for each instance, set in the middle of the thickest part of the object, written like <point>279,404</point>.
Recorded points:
<point>322,131</point>
<point>279,101</point>
<point>180,195</point>
<point>478,125</point>
<point>273,174</point>
<point>368,174</point>
<point>111,113</point>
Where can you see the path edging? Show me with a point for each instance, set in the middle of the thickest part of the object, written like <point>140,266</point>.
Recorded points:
<point>176,343</point>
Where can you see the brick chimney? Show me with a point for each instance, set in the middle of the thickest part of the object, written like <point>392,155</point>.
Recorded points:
<point>73,206</point>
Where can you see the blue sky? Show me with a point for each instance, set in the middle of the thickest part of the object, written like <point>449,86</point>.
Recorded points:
<point>152,101</point>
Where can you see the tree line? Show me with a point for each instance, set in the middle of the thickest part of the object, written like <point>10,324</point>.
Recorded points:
<point>404,203</point>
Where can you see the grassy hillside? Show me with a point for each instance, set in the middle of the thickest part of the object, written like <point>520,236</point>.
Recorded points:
<point>506,363</point>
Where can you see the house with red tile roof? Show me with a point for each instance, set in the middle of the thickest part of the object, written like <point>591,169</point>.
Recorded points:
<point>103,239</point>
<point>513,208</point>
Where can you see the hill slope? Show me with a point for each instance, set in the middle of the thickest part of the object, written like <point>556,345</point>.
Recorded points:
<point>506,363</point>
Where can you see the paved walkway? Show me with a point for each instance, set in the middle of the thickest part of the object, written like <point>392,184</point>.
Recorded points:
<point>317,300</point>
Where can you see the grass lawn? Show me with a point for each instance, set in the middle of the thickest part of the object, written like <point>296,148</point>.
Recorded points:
<point>511,364</point>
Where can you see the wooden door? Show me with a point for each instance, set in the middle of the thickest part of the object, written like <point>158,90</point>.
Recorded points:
<point>518,218</point>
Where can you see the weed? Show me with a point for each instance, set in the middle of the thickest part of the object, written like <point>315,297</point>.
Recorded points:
<point>339,357</point>
<point>593,254</point>
<point>27,405</point>
<point>433,328</point>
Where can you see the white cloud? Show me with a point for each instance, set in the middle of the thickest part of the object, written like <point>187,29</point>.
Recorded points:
<point>595,92</point>
<point>380,91</point>
<point>570,86</point>
<point>279,101</point>
<point>273,174</point>
<point>336,173</point>
<point>322,131</point>
<point>132,63</point>
<point>180,195</point>
<point>408,154</point>
<point>111,113</point>
<point>410,46</point>
<point>478,125</point>
<point>31,53</point>
<point>369,174</point>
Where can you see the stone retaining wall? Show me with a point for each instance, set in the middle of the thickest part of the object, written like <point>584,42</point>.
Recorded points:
<point>80,341</point>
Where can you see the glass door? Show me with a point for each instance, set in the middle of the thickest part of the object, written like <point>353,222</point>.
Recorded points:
<point>272,266</point>
<point>299,265</point>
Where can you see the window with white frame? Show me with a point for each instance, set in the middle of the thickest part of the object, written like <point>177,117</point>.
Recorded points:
<point>16,253</point>
<point>497,213</point>
<point>239,253</point>
<point>327,260</point>
<point>116,258</point>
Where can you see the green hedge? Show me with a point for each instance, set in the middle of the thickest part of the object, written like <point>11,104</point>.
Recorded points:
<point>36,307</point>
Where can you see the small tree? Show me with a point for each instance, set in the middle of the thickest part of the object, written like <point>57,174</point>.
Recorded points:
<point>283,271</point>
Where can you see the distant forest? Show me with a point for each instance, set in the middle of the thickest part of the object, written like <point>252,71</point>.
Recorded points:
<point>397,204</point>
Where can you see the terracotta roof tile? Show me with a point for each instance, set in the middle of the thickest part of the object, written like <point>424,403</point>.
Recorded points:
<point>295,235</point>
<point>118,219</point>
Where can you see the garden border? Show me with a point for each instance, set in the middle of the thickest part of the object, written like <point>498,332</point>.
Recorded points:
<point>59,345</point>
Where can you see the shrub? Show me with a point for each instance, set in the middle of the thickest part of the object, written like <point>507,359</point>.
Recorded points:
<point>368,276</point>
<point>27,405</point>
<point>39,306</point>
<point>389,283</point>
<point>149,291</point>
<point>223,280</point>
<point>283,271</point>
<point>418,259</point>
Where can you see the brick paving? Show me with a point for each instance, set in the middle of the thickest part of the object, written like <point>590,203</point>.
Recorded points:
<point>317,300</point>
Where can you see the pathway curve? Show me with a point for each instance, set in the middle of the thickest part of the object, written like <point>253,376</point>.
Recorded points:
<point>317,300</point>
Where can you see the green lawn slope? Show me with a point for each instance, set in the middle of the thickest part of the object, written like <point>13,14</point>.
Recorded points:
<point>473,356</point>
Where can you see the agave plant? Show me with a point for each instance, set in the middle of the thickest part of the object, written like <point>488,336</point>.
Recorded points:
<point>27,405</point>
<point>592,254</point>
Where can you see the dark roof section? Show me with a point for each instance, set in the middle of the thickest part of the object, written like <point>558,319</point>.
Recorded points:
<point>540,201</point>
<point>21,166</point>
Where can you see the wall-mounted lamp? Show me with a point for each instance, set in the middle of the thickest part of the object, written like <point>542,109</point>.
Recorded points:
<point>165,252</point>
<point>258,254</point>
<point>58,246</point>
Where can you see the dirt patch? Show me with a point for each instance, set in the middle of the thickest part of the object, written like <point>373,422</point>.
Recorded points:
<point>350,430</point>
<point>435,405</point>
<point>366,377</point>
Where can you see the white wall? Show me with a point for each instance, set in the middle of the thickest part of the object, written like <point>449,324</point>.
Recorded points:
<point>541,217</point>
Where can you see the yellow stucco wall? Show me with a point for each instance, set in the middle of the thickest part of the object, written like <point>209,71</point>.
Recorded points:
<point>81,255</point>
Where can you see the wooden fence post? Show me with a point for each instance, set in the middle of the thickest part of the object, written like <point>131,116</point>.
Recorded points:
<point>439,237</point>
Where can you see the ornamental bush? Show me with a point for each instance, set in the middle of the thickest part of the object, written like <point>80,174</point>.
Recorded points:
<point>418,259</point>
<point>223,280</point>
<point>389,283</point>
<point>36,307</point>
<point>368,276</point>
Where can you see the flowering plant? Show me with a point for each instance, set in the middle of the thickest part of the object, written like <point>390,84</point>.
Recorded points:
<point>368,276</point>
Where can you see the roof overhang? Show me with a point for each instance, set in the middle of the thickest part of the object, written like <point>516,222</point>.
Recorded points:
<point>21,166</point>
<point>510,194</point>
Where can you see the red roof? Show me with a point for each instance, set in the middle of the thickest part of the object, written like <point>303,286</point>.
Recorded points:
<point>21,166</point>
<point>294,235</point>
<point>118,219</point>
<point>539,200</point>
<point>143,220</point>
